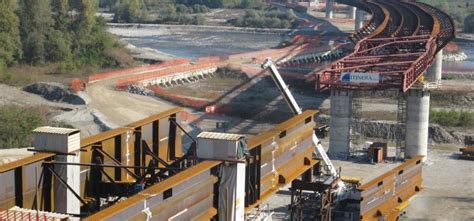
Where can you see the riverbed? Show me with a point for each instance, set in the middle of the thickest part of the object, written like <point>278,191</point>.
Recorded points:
<point>463,66</point>
<point>193,42</point>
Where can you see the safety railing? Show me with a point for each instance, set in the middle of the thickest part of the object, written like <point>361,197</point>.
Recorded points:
<point>124,82</point>
<point>136,70</point>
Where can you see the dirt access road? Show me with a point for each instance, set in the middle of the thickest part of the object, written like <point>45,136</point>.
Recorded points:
<point>119,108</point>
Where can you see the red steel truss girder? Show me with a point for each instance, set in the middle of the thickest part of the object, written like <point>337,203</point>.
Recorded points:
<point>373,65</point>
<point>399,60</point>
<point>370,57</point>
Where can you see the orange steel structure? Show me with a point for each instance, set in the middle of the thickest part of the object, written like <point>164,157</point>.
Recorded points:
<point>398,45</point>
<point>172,182</point>
<point>148,153</point>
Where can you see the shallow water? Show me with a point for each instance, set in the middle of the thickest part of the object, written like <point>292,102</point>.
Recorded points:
<point>467,65</point>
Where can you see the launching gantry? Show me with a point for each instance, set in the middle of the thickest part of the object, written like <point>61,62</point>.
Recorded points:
<point>142,171</point>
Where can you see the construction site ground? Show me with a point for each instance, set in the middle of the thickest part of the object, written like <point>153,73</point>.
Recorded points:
<point>448,191</point>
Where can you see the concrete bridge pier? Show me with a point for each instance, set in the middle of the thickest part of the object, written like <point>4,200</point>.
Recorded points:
<point>435,72</point>
<point>359,19</point>
<point>352,12</point>
<point>329,9</point>
<point>417,123</point>
<point>339,124</point>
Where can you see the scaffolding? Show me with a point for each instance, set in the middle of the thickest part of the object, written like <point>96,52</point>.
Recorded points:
<point>400,131</point>
<point>355,136</point>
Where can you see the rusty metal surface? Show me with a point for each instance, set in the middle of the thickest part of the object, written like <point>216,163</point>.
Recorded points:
<point>382,196</point>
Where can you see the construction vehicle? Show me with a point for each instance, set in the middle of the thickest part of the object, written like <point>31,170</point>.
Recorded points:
<point>330,171</point>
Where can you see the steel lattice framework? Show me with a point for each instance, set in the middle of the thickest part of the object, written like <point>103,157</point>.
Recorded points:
<point>399,44</point>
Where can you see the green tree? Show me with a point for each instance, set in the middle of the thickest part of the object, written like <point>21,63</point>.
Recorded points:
<point>135,10</point>
<point>10,42</point>
<point>60,10</point>
<point>86,18</point>
<point>16,124</point>
<point>466,119</point>
<point>58,46</point>
<point>59,42</point>
<point>170,11</point>
<point>129,11</point>
<point>35,25</point>
<point>107,3</point>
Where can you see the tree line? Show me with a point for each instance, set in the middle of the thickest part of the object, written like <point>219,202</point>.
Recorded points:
<point>266,19</point>
<point>154,4</point>
<point>36,32</point>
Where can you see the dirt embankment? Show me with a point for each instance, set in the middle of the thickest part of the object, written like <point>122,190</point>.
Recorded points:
<point>389,130</point>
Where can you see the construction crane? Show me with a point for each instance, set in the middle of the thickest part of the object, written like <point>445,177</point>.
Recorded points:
<point>296,109</point>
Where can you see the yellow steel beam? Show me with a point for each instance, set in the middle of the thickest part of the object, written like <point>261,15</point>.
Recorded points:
<point>155,117</point>
<point>388,194</point>
<point>274,132</point>
<point>104,136</point>
<point>25,161</point>
<point>390,173</point>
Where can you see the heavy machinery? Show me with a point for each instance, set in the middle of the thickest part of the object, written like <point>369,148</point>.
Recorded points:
<point>330,171</point>
<point>383,197</point>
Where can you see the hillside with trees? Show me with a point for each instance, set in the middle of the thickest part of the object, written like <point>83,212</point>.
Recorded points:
<point>63,35</point>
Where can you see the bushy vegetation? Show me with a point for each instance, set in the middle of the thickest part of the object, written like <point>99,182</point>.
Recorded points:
<point>180,15</point>
<point>225,3</point>
<point>193,9</point>
<point>266,19</point>
<point>156,4</point>
<point>459,10</point>
<point>16,124</point>
<point>136,11</point>
<point>39,32</point>
<point>452,118</point>
<point>170,11</point>
<point>129,11</point>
